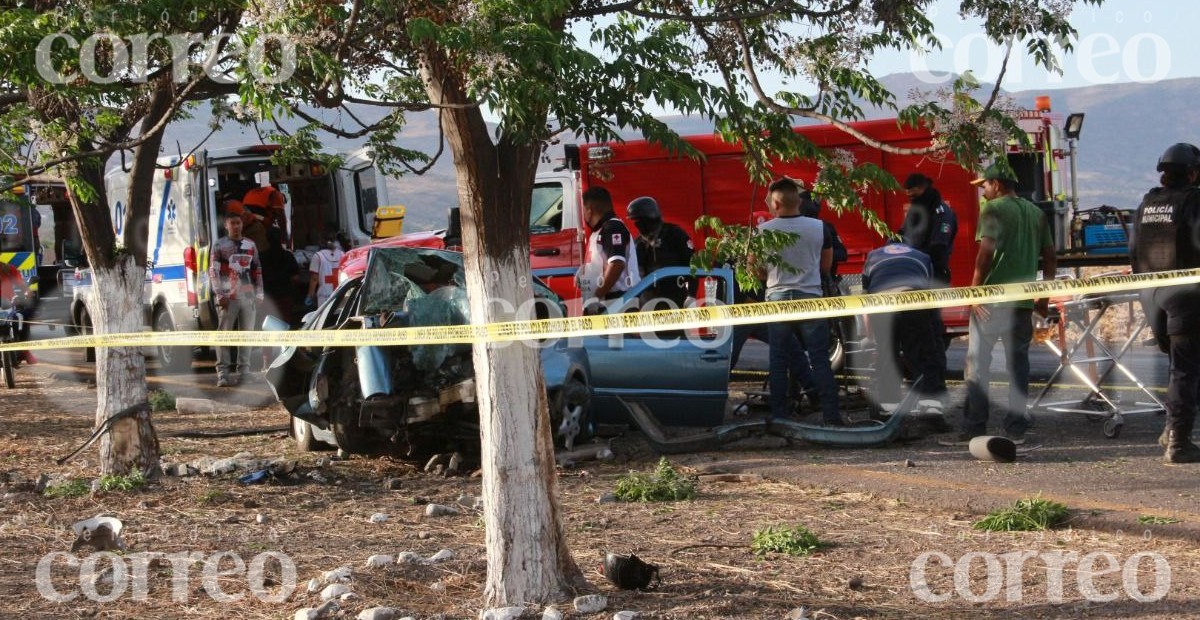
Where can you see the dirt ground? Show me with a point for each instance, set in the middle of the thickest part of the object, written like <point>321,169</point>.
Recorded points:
<point>322,521</point>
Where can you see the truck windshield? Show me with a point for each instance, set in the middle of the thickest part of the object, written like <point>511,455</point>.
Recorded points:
<point>16,227</point>
<point>546,212</point>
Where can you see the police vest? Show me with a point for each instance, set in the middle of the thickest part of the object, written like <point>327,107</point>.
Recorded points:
<point>1162,236</point>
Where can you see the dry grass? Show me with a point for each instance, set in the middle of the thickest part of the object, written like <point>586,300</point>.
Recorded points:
<point>702,546</point>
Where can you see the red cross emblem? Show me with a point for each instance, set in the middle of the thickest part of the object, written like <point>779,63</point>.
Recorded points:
<point>332,278</point>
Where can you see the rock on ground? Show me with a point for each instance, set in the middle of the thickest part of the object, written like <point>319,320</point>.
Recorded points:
<point>591,603</point>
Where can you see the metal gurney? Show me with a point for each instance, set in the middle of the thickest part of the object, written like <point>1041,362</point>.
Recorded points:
<point>1086,355</point>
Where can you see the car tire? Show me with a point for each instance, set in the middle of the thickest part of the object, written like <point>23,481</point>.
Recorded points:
<point>571,414</point>
<point>84,321</point>
<point>171,359</point>
<point>303,434</point>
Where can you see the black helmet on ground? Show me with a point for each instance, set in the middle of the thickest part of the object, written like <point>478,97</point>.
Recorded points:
<point>644,208</point>
<point>1179,156</point>
<point>629,572</point>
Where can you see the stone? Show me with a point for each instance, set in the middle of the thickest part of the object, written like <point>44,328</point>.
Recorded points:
<point>314,585</point>
<point>432,463</point>
<point>261,518</point>
<point>799,613</point>
<point>334,590</point>
<point>856,582</point>
<point>607,498</point>
<point>340,574</point>
<point>196,405</point>
<point>408,557</point>
<point>590,603</point>
<point>439,510</point>
<point>441,556</point>
<point>41,483</point>
<point>909,463</point>
<point>502,613</point>
<point>438,587</point>
<point>466,501</point>
<point>626,615</point>
<point>605,454</point>
<point>378,613</point>
<point>378,517</point>
<point>318,477</point>
<point>392,484</point>
<point>455,464</point>
<point>310,613</point>
<point>346,597</point>
<point>380,560</point>
<point>552,613</point>
<point>424,535</point>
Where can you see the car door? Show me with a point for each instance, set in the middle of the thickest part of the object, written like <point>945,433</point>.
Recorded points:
<point>681,376</point>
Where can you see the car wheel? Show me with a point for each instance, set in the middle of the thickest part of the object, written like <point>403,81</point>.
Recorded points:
<point>171,359</point>
<point>571,414</point>
<point>302,431</point>
<point>84,321</point>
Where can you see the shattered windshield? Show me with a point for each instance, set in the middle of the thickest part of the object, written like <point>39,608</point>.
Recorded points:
<point>396,278</point>
<point>426,288</point>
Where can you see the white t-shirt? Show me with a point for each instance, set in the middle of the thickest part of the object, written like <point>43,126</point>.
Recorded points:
<point>325,265</point>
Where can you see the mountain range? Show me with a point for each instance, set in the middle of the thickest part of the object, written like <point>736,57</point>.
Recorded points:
<point>1126,127</point>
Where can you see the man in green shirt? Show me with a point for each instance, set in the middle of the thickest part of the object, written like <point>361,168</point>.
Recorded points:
<point>1013,234</point>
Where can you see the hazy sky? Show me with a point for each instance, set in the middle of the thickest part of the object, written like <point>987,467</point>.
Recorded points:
<point>1121,41</point>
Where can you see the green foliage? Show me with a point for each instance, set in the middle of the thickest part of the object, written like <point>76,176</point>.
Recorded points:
<point>123,482</point>
<point>161,400</point>
<point>795,540</point>
<point>1157,520</point>
<point>77,487</point>
<point>1026,515</point>
<point>664,485</point>
<point>737,245</point>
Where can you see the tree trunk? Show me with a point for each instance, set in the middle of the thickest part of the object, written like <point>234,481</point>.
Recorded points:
<point>527,555</point>
<point>131,443</point>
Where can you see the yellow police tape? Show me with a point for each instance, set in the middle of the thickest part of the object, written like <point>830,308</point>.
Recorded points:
<point>633,322</point>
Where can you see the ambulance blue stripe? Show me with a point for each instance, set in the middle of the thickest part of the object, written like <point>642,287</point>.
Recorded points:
<point>162,216</point>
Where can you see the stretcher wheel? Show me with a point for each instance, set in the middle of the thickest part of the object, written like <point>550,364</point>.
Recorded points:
<point>1112,428</point>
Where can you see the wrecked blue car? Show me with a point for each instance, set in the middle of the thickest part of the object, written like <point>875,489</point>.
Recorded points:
<point>418,400</point>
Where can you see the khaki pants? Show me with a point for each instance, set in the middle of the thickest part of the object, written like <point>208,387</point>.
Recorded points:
<point>240,313</point>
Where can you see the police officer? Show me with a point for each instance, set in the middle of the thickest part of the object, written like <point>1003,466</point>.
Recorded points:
<point>661,244</point>
<point>610,264</point>
<point>1166,231</point>
<point>930,226</point>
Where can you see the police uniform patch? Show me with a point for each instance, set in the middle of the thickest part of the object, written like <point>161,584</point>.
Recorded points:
<point>617,239</point>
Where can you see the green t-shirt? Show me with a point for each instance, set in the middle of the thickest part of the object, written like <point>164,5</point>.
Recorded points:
<point>1020,230</point>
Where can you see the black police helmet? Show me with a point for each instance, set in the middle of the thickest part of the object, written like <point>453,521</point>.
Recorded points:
<point>629,572</point>
<point>644,208</point>
<point>1179,156</point>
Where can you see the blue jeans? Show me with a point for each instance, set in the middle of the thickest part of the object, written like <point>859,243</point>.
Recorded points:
<point>813,335</point>
<point>1014,328</point>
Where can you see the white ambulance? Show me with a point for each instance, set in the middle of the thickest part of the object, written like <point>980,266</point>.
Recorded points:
<point>185,220</point>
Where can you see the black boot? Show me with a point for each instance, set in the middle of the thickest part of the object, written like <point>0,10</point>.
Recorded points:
<point>1180,448</point>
